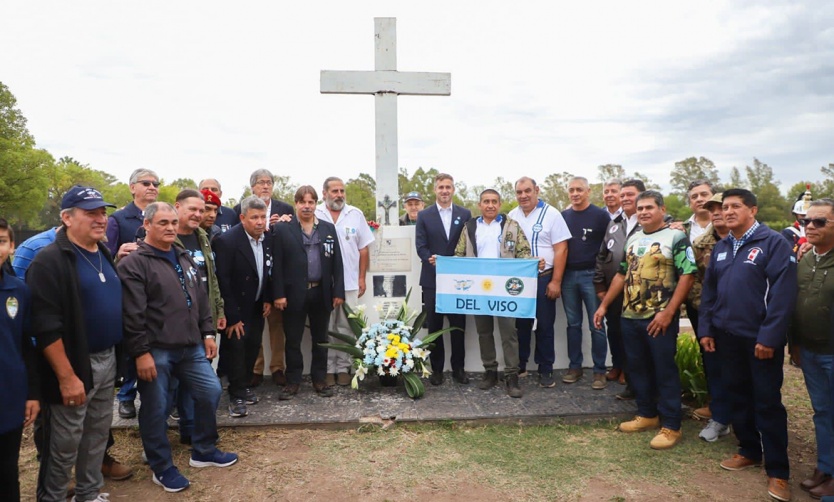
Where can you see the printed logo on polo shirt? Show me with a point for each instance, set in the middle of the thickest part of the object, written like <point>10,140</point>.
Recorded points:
<point>752,255</point>
<point>12,306</point>
<point>537,227</point>
<point>613,229</point>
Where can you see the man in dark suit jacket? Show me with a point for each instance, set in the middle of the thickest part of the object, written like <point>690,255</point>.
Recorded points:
<point>262,182</point>
<point>308,282</point>
<point>244,264</point>
<point>438,231</point>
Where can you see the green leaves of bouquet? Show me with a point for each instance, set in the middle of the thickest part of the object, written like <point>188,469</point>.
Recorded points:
<point>389,347</point>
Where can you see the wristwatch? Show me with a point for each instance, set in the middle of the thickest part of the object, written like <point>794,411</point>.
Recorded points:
<point>212,337</point>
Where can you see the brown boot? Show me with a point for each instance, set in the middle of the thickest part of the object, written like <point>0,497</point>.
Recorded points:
<point>111,468</point>
<point>816,479</point>
<point>824,489</point>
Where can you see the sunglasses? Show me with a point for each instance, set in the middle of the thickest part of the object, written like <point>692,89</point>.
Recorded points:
<point>147,183</point>
<point>818,222</point>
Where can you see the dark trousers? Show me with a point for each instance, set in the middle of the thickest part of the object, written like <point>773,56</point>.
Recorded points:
<point>754,388</point>
<point>652,372</point>
<point>545,354</point>
<point>615,333</point>
<point>434,322</point>
<point>239,354</point>
<point>719,404</point>
<point>9,455</point>
<point>319,316</point>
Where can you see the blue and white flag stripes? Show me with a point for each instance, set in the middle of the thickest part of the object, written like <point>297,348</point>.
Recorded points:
<point>487,286</point>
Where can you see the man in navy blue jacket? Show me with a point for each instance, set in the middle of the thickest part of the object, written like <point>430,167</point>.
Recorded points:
<point>437,233</point>
<point>748,297</point>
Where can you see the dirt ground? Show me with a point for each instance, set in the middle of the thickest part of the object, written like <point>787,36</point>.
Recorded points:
<point>302,465</point>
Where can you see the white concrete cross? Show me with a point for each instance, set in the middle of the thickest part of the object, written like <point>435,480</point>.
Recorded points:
<point>386,83</point>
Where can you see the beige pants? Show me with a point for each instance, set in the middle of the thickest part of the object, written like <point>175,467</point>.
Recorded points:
<point>275,321</point>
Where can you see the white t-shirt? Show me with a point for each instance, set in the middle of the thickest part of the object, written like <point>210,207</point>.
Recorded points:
<point>488,238</point>
<point>543,227</point>
<point>354,234</point>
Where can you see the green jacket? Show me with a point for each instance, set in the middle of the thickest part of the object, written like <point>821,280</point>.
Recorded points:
<point>811,322</point>
<point>514,243</point>
<point>215,299</point>
<point>703,250</point>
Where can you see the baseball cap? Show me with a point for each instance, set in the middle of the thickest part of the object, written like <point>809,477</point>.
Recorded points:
<point>210,197</point>
<point>86,198</point>
<point>413,196</point>
<point>716,199</point>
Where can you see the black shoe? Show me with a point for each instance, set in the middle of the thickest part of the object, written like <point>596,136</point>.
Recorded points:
<point>626,395</point>
<point>289,392</point>
<point>459,376</point>
<point>250,397</point>
<point>513,389</point>
<point>490,380</point>
<point>436,378</point>
<point>237,408</point>
<point>127,409</point>
<point>322,389</point>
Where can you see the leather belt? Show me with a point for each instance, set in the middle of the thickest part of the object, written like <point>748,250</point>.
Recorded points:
<point>311,285</point>
<point>545,273</point>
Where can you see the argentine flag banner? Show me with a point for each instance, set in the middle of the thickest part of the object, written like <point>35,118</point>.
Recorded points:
<point>487,286</point>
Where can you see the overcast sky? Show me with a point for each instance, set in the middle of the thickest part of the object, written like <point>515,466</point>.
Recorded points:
<point>218,89</point>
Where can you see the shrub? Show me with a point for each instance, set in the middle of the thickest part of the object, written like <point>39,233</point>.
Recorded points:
<point>691,368</point>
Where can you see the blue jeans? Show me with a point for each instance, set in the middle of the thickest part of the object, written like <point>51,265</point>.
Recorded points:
<point>652,372</point>
<point>754,389</point>
<point>127,392</point>
<point>190,366</point>
<point>817,369</point>
<point>578,288</point>
<point>181,398</point>
<point>546,315</point>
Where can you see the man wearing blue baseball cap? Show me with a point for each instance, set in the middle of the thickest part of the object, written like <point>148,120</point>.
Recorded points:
<point>413,203</point>
<point>77,321</point>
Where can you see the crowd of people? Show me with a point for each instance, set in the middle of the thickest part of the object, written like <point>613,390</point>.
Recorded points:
<point>151,294</point>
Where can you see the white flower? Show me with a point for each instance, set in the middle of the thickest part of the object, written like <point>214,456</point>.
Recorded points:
<point>426,372</point>
<point>361,372</point>
<point>393,371</point>
<point>409,363</point>
<point>420,353</point>
<point>380,370</point>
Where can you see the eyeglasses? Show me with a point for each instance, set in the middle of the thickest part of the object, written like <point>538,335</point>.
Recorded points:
<point>264,183</point>
<point>146,183</point>
<point>818,222</point>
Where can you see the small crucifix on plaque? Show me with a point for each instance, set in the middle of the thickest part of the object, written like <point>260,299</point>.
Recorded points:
<point>386,203</point>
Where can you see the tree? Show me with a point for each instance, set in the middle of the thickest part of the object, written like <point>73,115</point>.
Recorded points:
<point>360,192</point>
<point>22,166</point>
<point>421,182</point>
<point>611,171</point>
<point>64,174</point>
<point>735,179</point>
<point>554,190</point>
<point>772,205</point>
<point>184,183</point>
<point>650,185</point>
<point>284,189</point>
<point>691,169</point>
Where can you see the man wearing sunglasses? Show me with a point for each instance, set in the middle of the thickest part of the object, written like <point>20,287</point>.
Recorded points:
<point>810,337</point>
<point>122,228</point>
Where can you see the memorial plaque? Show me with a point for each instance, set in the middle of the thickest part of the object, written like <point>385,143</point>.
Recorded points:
<point>391,255</point>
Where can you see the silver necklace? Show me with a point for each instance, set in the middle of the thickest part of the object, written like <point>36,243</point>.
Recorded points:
<point>100,268</point>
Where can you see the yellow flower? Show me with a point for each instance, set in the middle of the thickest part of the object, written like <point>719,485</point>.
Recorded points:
<point>391,352</point>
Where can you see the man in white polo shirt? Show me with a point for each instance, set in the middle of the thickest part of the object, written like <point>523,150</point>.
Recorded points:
<point>548,234</point>
<point>354,238</point>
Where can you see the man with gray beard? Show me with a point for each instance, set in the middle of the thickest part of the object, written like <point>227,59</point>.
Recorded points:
<point>354,238</point>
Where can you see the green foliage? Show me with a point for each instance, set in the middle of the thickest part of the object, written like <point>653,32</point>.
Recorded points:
<point>691,368</point>
<point>772,205</point>
<point>677,207</point>
<point>359,192</point>
<point>422,182</point>
<point>691,169</point>
<point>60,177</point>
<point>611,171</point>
<point>554,190</point>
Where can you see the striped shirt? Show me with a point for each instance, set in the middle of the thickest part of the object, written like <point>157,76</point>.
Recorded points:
<point>543,227</point>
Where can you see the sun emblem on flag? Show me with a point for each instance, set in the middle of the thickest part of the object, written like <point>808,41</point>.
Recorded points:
<point>487,285</point>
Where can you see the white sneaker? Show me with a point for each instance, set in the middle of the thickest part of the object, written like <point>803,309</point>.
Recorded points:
<point>714,430</point>
<point>102,497</point>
